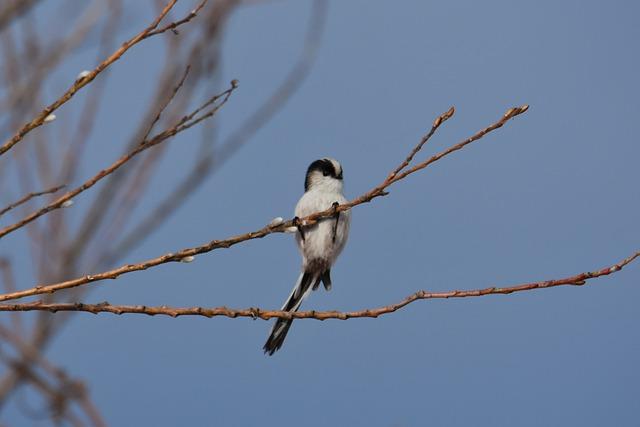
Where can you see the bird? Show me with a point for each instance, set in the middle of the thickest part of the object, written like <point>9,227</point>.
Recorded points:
<point>319,243</point>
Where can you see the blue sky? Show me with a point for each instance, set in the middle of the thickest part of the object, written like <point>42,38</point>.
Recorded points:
<point>550,195</point>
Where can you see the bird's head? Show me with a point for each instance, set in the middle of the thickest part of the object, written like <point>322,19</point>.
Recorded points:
<point>324,175</point>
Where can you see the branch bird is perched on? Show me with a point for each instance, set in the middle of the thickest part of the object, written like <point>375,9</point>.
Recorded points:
<point>320,243</point>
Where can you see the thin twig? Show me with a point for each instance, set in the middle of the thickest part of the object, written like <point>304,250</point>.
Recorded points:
<point>436,124</point>
<point>172,26</point>
<point>378,191</point>
<point>166,102</point>
<point>183,124</point>
<point>105,307</point>
<point>30,196</point>
<point>151,30</point>
<point>44,59</point>
<point>99,208</point>
<point>131,189</point>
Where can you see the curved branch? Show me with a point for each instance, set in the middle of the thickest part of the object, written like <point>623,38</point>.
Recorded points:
<point>105,307</point>
<point>281,227</point>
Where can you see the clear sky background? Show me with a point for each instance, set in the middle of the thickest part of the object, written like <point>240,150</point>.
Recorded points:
<point>552,194</point>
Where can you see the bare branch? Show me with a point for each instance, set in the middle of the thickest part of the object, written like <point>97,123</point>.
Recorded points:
<point>172,26</point>
<point>25,84</point>
<point>378,191</point>
<point>436,124</point>
<point>183,124</point>
<point>105,307</point>
<point>208,163</point>
<point>96,213</point>
<point>166,102</point>
<point>88,78</point>
<point>30,196</point>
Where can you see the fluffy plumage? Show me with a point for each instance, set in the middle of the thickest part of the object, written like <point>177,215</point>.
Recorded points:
<point>320,244</point>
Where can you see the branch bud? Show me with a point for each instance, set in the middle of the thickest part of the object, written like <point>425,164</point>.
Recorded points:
<point>444,117</point>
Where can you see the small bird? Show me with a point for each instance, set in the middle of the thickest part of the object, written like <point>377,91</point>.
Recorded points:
<point>320,243</point>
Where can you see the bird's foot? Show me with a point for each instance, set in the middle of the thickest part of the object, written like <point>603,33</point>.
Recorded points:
<point>298,224</point>
<point>336,214</point>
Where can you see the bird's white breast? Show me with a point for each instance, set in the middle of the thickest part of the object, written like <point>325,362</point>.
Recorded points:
<point>318,245</point>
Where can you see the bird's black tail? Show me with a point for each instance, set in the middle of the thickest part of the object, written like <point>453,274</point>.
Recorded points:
<point>306,282</point>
